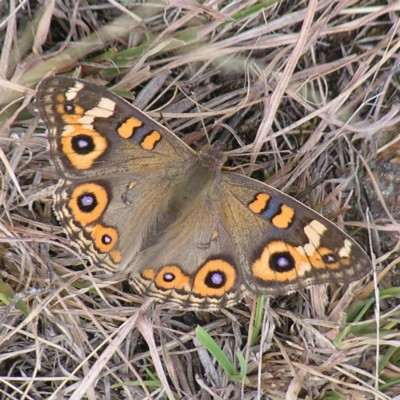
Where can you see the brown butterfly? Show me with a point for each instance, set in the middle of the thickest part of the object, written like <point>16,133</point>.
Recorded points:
<point>135,198</point>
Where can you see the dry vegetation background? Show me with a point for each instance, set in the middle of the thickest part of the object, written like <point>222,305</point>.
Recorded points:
<point>306,91</point>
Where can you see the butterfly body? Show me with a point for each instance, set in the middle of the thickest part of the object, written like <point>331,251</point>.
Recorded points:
<point>136,199</point>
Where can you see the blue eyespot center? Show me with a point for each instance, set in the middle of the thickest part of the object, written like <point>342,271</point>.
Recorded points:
<point>87,202</point>
<point>106,239</point>
<point>168,277</point>
<point>215,279</point>
<point>82,144</point>
<point>282,262</point>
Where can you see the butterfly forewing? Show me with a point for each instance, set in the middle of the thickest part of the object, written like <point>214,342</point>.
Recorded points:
<point>284,245</point>
<point>94,133</point>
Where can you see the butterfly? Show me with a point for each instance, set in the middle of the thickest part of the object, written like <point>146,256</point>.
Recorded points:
<point>135,199</point>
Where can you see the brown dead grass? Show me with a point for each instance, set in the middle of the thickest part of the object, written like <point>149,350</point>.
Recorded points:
<point>307,94</point>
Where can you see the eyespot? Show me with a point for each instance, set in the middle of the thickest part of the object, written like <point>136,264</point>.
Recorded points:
<point>171,277</point>
<point>88,202</point>
<point>330,258</point>
<point>282,262</point>
<point>214,278</point>
<point>69,108</point>
<point>105,238</point>
<point>82,144</point>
